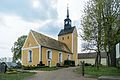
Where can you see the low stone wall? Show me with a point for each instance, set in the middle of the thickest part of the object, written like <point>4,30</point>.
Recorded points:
<point>108,78</point>
<point>92,61</point>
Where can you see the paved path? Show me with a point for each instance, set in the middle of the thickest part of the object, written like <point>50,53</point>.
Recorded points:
<point>61,74</point>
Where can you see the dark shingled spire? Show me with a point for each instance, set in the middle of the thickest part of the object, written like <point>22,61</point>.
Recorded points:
<point>67,12</point>
<point>67,25</point>
<point>67,21</point>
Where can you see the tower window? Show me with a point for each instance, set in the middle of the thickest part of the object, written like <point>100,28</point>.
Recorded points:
<point>68,37</point>
<point>62,38</point>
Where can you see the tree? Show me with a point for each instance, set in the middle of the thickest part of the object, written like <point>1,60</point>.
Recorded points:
<point>92,27</point>
<point>111,20</point>
<point>101,27</point>
<point>16,49</point>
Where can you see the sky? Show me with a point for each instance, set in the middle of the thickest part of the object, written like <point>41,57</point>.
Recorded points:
<point>18,17</point>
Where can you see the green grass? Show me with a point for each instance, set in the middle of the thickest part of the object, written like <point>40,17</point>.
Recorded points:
<point>15,75</point>
<point>103,71</point>
<point>12,74</point>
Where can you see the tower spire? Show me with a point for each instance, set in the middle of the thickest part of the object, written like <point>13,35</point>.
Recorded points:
<point>67,21</point>
<point>67,11</point>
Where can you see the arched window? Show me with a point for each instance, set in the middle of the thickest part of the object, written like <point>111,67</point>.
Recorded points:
<point>49,54</point>
<point>68,57</point>
<point>60,57</point>
<point>30,56</point>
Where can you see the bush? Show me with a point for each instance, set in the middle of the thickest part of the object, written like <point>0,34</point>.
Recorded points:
<point>69,63</point>
<point>40,64</point>
<point>58,64</point>
<point>29,67</point>
<point>87,64</point>
<point>19,65</point>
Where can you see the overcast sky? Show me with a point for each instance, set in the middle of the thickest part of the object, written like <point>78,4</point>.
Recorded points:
<point>18,17</point>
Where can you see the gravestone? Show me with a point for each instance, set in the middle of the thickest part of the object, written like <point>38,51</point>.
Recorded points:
<point>3,68</point>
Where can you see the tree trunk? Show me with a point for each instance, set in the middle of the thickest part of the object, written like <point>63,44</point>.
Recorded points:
<point>113,56</point>
<point>98,60</point>
<point>108,59</point>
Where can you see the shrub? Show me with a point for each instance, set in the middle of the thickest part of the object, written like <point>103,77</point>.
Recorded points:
<point>30,67</point>
<point>26,67</point>
<point>19,65</point>
<point>87,64</point>
<point>40,64</point>
<point>69,63</point>
<point>58,64</point>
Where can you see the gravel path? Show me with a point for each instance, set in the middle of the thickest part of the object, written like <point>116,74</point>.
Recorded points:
<point>61,74</point>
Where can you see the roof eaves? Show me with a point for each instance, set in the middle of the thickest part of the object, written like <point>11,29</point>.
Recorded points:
<point>56,49</point>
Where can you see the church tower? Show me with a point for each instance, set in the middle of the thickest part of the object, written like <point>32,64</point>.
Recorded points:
<point>68,35</point>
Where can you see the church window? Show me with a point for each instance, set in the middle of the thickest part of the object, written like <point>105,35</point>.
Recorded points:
<point>68,57</point>
<point>30,56</point>
<point>49,54</point>
<point>60,57</point>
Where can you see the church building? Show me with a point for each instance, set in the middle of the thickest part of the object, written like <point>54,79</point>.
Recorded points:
<point>39,48</point>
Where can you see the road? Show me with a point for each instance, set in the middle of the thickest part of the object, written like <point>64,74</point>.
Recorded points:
<point>61,74</point>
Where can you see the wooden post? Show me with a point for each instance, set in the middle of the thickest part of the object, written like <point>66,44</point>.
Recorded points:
<point>82,62</point>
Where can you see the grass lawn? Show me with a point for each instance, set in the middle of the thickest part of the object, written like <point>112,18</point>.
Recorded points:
<point>15,75</point>
<point>103,71</point>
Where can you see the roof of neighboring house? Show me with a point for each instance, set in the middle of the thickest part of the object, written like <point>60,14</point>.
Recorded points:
<point>51,43</point>
<point>66,31</point>
<point>90,55</point>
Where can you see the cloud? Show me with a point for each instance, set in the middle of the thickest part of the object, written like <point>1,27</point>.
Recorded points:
<point>2,23</point>
<point>25,8</point>
<point>51,28</point>
<point>12,27</point>
<point>3,47</point>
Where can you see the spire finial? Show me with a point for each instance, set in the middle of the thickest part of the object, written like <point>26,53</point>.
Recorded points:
<point>67,11</point>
